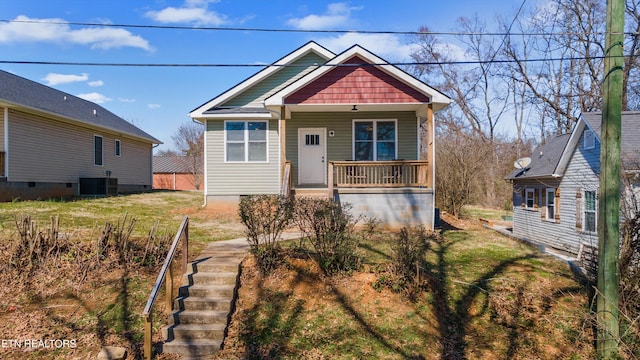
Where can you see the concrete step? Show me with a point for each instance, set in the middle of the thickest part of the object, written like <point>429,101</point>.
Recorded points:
<point>196,328</point>
<point>192,348</point>
<point>193,303</point>
<point>195,332</point>
<point>197,290</point>
<point>311,192</point>
<point>219,265</point>
<point>199,317</point>
<point>218,278</point>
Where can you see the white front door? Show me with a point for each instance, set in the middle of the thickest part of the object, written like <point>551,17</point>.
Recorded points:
<point>312,153</point>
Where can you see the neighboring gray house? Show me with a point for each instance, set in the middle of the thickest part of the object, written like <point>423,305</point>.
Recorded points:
<point>54,144</point>
<point>555,196</point>
<point>346,126</point>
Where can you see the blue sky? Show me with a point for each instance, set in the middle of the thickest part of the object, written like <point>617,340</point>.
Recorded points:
<point>158,99</point>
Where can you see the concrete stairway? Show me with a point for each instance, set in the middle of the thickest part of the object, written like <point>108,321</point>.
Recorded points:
<point>205,302</point>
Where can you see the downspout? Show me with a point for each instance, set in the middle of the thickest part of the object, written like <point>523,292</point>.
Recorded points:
<point>6,142</point>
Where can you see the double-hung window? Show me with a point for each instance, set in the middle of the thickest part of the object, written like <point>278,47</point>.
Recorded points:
<point>98,158</point>
<point>245,141</point>
<point>550,204</point>
<point>529,198</point>
<point>374,140</point>
<point>589,224</point>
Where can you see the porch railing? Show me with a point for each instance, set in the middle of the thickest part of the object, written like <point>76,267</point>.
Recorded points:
<point>399,173</point>
<point>166,276</point>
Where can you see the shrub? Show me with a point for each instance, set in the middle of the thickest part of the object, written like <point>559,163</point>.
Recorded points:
<point>36,245</point>
<point>408,255</point>
<point>266,217</point>
<point>329,227</point>
<point>629,270</point>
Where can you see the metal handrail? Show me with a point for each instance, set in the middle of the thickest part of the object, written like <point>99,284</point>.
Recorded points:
<point>183,234</point>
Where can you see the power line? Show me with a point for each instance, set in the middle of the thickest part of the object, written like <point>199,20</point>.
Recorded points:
<point>426,63</point>
<point>274,30</point>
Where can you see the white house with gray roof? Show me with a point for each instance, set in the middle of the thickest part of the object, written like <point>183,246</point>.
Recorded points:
<point>555,196</point>
<point>54,144</point>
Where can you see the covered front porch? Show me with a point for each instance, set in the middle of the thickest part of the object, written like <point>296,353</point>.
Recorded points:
<point>396,193</point>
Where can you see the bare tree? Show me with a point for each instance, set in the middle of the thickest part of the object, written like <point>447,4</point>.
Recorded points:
<point>560,67</point>
<point>480,97</point>
<point>189,139</point>
<point>459,165</point>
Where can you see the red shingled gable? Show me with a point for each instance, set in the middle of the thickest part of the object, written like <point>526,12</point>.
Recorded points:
<point>356,85</point>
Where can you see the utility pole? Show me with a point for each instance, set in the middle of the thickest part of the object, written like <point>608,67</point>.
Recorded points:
<point>609,201</point>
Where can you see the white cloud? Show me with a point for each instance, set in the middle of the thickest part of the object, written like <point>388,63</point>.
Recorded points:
<point>153,106</point>
<point>453,51</point>
<point>193,11</point>
<point>25,29</point>
<point>125,100</point>
<point>96,83</point>
<point>53,79</point>
<point>387,46</point>
<point>94,97</point>
<point>337,14</point>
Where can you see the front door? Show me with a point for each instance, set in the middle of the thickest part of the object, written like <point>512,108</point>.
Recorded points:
<point>312,153</point>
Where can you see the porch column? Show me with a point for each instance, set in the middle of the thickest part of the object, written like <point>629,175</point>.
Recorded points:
<point>430,146</point>
<point>282,123</point>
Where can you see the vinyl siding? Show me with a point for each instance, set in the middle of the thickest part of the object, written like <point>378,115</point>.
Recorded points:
<point>269,86</point>
<point>579,175</point>
<point>340,146</point>
<point>240,178</point>
<point>45,150</point>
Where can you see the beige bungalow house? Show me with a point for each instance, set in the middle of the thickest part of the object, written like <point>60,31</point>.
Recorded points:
<point>53,144</point>
<point>346,126</point>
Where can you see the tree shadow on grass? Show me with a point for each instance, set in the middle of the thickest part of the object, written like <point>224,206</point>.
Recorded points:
<point>115,318</point>
<point>269,325</point>
<point>453,318</point>
<point>265,328</point>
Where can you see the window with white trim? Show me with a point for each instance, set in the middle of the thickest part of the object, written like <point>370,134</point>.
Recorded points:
<point>245,141</point>
<point>118,148</point>
<point>529,198</point>
<point>589,141</point>
<point>98,150</point>
<point>590,214</point>
<point>374,140</point>
<point>549,204</point>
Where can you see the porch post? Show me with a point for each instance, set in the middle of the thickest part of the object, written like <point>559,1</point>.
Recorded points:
<point>431,156</point>
<point>283,140</point>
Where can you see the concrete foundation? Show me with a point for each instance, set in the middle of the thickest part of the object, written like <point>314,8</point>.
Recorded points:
<point>394,207</point>
<point>23,190</point>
